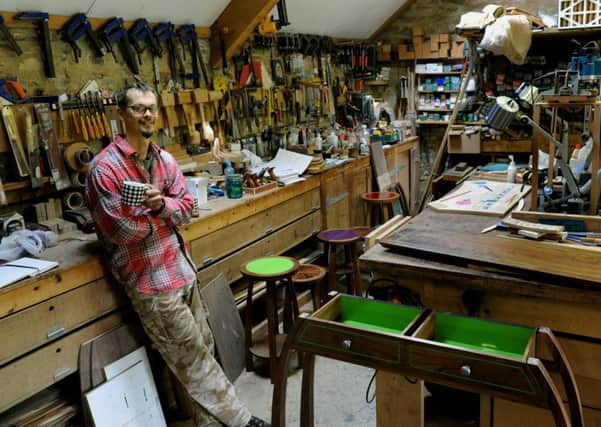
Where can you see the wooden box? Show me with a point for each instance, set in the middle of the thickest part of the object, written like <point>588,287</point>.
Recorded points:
<point>463,143</point>
<point>261,189</point>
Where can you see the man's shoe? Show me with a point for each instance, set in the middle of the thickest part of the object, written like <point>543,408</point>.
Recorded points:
<point>257,422</point>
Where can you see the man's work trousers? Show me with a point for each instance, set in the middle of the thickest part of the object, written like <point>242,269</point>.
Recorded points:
<point>176,323</point>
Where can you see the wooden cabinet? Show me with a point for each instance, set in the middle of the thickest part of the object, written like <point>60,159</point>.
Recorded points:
<point>341,190</point>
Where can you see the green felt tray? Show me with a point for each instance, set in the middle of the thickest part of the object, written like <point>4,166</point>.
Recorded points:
<point>475,334</point>
<point>376,315</point>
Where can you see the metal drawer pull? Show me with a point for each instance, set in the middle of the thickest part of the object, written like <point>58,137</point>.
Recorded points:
<point>268,230</point>
<point>55,331</point>
<point>465,370</point>
<point>206,260</point>
<point>346,344</point>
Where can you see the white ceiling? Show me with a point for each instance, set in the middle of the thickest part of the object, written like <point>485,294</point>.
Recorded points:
<point>336,18</point>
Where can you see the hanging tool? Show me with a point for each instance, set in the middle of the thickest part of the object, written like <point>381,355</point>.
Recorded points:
<point>164,32</point>
<point>50,143</point>
<point>187,34</point>
<point>14,138</point>
<point>73,30</point>
<point>111,32</point>
<point>270,25</point>
<point>44,35</point>
<point>9,37</point>
<point>12,91</point>
<point>33,152</point>
<point>140,32</point>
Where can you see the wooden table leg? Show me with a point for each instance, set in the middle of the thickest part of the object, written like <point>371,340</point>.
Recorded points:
<point>355,266</point>
<point>331,253</point>
<point>399,403</point>
<point>272,328</point>
<point>248,326</point>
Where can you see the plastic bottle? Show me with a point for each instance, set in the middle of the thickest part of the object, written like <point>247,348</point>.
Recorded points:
<point>511,170</point>
<point>583,155</point>
<point>574,157</point>
<point>229,169</point>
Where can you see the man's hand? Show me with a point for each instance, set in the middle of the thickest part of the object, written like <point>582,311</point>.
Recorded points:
<point>154,199</point>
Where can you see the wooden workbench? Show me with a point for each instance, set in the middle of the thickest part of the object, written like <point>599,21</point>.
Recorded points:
<point>44,320</point>
<point>569,307</point>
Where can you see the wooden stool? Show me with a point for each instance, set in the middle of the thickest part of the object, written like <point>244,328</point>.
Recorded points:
<point>381,202</point>
<point>271,269</point>
<point>348,238</point>
<point>312,275</point>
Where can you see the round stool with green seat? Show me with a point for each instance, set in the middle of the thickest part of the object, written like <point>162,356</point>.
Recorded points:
<point>271,269</point>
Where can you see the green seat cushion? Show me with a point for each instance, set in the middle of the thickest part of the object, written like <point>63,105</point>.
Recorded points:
<point>269,266</point>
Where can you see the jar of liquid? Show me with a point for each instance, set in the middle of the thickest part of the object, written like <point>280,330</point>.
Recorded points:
<point>233,186</point>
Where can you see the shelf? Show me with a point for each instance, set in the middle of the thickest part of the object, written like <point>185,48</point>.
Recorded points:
<point>435,110</point>
<point>376,82</point>
<point>450,73</point>
<point>431,122</point>
<point>438,91</point>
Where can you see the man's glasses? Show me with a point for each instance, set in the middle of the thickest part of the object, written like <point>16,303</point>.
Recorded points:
<point>141,109</point>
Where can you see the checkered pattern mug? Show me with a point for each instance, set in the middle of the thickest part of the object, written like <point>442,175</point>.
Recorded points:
<point>133,193</point>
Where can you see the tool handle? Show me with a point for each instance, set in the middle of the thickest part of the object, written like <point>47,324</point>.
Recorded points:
<point>83,128</point>
<point>9,37</point>
<point>47,49</point>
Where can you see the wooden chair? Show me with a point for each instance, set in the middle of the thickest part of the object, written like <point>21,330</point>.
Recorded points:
<point>273,270</point>
<point>348,238</point>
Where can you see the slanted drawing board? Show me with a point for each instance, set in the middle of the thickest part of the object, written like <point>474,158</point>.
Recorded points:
<point>482,197</point>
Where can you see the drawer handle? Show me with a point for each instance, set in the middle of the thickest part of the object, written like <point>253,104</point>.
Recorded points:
<point>56,331</point>
<point>206,260</point>
<point>268,230</point>
<point>346,344</point>
<point>465,370</point>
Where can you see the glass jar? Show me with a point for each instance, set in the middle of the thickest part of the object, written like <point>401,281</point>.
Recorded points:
<point>233,186</point>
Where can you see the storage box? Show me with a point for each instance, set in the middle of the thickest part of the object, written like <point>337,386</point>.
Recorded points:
<point>463,143</point>
<point>260,189</point>
<point>417,31</point>
<point>384,53</point>
<point>404,52</point>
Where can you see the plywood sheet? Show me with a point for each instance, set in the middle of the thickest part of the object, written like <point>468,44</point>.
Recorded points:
<point>482,197</point>
<point>129,399</point>
<point>226,325</point>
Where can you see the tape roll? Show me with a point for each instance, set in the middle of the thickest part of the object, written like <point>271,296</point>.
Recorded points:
<point>78,157</point>
<point>78,179</point>
<point>74,200</point>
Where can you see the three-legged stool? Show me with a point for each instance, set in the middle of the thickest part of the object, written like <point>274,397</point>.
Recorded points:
<point>312,275</point>
<point>348,238</point>
<point>381,203</point>
<point>272,269</point>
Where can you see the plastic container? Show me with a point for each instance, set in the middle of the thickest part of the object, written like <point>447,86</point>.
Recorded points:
<point>233,186</point>
<point>574,157</point>
<point>511,170</point>
<point>229,169</point>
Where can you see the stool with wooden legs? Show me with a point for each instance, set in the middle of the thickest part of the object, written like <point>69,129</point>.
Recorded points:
<point>348,239</point>
<point>312,275</point>
<point>380,202</point>
<point>273,270</point>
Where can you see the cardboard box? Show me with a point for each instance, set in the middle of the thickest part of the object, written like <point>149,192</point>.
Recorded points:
<point>462,143</point>
<point>443,38</point>
<point>456,50</point>
<point>417,30</point>
<point>404,52</point>
<point>434,42</point>
<point>384,53</point>
<point>443,51</point>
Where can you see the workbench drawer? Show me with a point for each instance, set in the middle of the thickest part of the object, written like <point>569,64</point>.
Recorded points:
<point>439,363</point>
<point>30,328</point>
<point>38,370</point>
<point>342,344</point>
<point>214,246</point>
<point>273,244</point>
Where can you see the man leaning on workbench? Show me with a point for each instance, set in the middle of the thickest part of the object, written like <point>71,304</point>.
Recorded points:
<point>147,256</point>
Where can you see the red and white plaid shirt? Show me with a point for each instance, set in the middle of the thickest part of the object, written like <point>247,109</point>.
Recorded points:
<point>144,248</point>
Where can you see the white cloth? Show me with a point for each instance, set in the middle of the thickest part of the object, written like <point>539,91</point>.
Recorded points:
<point>509,35</point>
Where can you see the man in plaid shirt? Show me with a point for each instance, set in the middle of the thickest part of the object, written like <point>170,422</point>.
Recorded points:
<point>147,256</point>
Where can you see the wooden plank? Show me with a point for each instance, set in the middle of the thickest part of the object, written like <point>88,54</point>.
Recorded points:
<point>235,25</point>
<point>226,324</point>
<point>591,223</point>
<point>40,369</point>
<point>44,322</point>
<point>230,238</point>
<point>487,249</point>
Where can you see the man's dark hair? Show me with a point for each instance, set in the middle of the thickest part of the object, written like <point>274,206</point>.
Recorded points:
<point>121,94</point>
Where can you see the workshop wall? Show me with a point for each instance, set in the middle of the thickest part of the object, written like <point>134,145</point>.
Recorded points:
<point>71,75</point>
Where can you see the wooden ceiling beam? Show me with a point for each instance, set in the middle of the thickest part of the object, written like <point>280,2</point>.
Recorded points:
<point>235,24</point>
<point>396,15</point>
